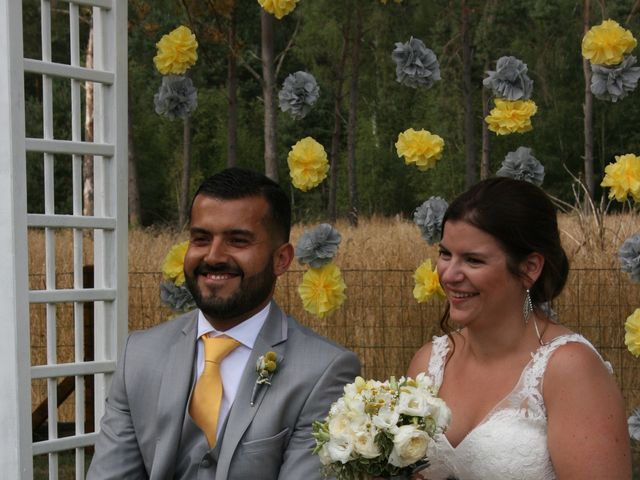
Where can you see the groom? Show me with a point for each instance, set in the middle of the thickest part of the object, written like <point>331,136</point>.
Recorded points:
<point>158,421</point>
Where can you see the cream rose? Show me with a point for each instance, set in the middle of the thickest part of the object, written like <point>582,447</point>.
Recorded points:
<point>409,445</point>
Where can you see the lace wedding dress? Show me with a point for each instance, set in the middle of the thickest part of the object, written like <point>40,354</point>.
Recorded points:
<point>511,441</point>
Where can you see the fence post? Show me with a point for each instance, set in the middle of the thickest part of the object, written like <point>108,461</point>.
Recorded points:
<point>15,401</point>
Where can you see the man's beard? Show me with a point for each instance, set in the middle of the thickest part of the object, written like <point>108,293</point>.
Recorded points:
<point>251,292</point>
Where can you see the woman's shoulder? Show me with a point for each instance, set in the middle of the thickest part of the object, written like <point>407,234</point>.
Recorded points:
<point>573,362</point>
<point>420,361</point>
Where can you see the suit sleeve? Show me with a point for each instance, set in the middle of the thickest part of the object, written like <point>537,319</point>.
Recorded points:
<point>298,461</point>
<point>117,455</point>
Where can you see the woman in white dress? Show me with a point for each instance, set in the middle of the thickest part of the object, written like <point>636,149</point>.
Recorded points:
<point>530,400</point>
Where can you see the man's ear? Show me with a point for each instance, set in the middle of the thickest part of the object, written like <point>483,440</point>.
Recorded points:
<point>531,268</point>
<point>282,258</point>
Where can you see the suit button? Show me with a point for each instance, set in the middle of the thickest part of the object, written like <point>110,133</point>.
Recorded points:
<point>206,463</point>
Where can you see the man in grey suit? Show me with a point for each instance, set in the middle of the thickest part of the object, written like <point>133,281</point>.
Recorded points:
<point>239,245</point>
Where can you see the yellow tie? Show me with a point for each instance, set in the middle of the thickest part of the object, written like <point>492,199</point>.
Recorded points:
<point>206,398</point>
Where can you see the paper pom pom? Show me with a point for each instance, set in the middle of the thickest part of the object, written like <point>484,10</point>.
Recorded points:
<point>511,116</point>
<point>510,79</point>
<point>629,255</point>
<point>428,217</point>
<point>623,178</point>
<point>416,65</point>
<point>322,289</point>
<point>427,283</point>
<point>522,165</point>
<point>616,82</point>
<point>176,98</point>
<point>177,51</point>
<point>176,297</point>
<point>299,92</point>
<point>318,246</point>
<point>308,164</point>
<point>607,43</point>
<point>420,147</point>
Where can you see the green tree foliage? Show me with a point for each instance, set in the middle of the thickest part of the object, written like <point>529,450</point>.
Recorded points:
<point>545,35</point>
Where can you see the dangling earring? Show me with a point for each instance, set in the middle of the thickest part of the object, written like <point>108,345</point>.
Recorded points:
<point>527,308</point>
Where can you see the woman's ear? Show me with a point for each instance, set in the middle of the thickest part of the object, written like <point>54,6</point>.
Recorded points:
<point>531,268</point>
<point>282,258</point>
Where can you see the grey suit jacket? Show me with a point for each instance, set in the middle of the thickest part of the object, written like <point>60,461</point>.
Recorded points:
<point>141,429</point>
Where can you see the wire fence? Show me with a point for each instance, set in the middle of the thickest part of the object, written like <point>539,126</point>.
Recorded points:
<point>381,321</point>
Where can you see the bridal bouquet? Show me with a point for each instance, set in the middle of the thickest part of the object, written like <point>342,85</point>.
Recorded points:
<point>380,429</point>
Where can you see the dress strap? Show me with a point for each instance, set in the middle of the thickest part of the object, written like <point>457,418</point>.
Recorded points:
<point>439,350</point>
<point>541,357</point>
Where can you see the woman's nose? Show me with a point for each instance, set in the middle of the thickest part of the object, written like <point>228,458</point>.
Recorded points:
<point>450,273</point>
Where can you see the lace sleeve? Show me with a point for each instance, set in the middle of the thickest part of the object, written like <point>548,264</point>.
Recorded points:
<point>439,349</point>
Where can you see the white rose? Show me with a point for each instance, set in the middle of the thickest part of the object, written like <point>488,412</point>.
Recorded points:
<point>355,404</point>
<point>386,418</point>
<point>413,402</point>
<point>359,423</point>
<point>323,454</point>
<point>409,445</point>
<point>440,412</point>
<point>364,444</point>
<point>339,450</point>
<point>340,426</point>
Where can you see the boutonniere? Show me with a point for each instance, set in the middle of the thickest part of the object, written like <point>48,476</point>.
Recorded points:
<point>265,367</point>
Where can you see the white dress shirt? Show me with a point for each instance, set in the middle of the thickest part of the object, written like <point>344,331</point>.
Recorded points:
<point>233,364</point>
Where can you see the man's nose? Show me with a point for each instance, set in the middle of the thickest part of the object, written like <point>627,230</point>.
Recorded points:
<point>217,252</point>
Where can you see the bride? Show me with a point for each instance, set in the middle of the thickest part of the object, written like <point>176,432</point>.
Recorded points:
<point>529,398</point>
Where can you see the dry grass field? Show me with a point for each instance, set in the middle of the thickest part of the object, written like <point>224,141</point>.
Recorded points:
<point>380,319</point>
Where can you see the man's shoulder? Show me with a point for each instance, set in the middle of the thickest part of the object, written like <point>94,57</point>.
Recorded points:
<point>299,333</point>
<point>166,330</point>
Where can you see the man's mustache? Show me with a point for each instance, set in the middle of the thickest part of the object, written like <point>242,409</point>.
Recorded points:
<point>204,269</point>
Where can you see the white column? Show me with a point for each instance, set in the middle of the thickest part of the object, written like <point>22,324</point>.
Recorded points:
<point>15,401</point>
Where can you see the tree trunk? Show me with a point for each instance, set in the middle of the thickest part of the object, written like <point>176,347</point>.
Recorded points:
<point>134,197</point>
<point>186,175</point>
<point>588,111</point>
<point>232,92</point>
<point>336,136</point>
<point>467,88</point>
<point>352,126</point>
<point>485,163</point>
<point>268,94</point>
<point>87,160</point>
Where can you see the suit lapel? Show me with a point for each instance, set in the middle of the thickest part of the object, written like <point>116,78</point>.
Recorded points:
<point>272,336</point>
<point>173,395</point>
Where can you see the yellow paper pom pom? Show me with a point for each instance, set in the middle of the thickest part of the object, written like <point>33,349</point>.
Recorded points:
<point>623,177</point>
<point>607,43</point>
<point>420,147</point>
<point>632,332</point>
<point>427,283</point>
<point>308,164</point>
<point>173,264</point>
<point>176,51</point>
<point>278,8</point>
<point>322,289</point>
<point>511,116</point>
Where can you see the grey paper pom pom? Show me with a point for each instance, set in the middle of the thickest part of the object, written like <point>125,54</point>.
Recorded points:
<point>318,246</point>
<point>176,98</point>
<point>616,82</point>
<point>428,217</point>
<point>510,79</point>
<point>634,424</point>
<point>299,92</point>
<point>629,255</point>
<point>177,298</point>
<point>522,165</point>
<point>416,65</point>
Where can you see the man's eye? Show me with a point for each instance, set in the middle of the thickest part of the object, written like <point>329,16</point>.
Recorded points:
<point>443,254</point>
<point>239,241</point>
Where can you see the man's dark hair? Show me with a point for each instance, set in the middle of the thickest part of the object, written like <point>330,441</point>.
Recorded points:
<point>235,183</point>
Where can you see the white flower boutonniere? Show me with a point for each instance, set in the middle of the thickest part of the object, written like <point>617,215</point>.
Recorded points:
<point>265,367</point>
